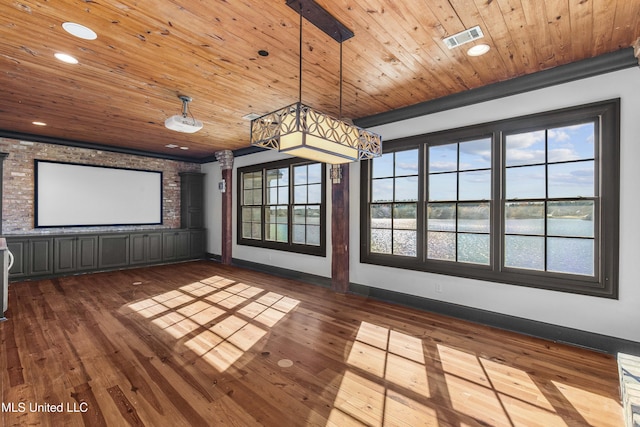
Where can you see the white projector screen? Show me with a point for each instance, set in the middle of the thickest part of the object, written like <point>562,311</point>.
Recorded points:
<point>74,195</point>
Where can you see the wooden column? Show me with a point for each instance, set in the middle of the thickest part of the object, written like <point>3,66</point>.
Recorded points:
<point>226,164</point>
<point>340,228</point>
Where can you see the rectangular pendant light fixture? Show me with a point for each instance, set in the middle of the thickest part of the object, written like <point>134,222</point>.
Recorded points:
<point>301,131</point>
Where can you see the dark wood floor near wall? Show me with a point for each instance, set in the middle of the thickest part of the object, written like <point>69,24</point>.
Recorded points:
<point>199,344</point>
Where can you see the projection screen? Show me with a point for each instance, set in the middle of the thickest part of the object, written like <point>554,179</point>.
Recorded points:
<point>74,195</point>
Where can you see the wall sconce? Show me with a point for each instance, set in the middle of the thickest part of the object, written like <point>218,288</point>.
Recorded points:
<point>335,173</point>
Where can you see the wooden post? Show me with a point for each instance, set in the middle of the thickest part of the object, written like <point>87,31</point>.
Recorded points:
<point>226,164</point>
<point>340,228</point>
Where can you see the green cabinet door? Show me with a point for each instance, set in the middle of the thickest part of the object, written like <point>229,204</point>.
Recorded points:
<point>113,251</point>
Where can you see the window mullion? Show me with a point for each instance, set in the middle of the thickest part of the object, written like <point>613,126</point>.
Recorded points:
<point>498,202</point>
<point>546,199</point>
<point>290,205</point>
<point>421,207</point>
<point>393,205</point>
<point>457,202</point>
<point>263,205</point>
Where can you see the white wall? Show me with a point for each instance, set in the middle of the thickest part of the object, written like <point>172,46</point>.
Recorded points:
<point>213,207</point>
<point>619,318</point>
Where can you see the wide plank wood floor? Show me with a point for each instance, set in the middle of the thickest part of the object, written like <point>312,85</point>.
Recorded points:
<point>200,344</point>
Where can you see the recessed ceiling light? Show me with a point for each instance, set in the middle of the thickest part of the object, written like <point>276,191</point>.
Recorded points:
<point>479,49</point>
<point>171,146</point>
<point>263,52</point>
<point>79,31</point>
<point>184,148</point>
<point>39,123</point>
<point>66,58</point>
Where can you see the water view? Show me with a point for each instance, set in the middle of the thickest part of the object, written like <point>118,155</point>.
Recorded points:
<point>569,242</point>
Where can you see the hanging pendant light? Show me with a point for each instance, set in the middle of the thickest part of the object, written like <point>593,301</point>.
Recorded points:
<point>302,131</point>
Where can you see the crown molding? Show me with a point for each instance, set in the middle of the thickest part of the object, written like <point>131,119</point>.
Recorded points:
<point>578,70</point>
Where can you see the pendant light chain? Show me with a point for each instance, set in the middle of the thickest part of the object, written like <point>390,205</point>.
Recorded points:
<point>300,70</point>
<point>340,111</point>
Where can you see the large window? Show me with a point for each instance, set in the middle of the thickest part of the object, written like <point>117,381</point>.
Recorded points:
<point>282,206</point>
<point>458,203</point>
<point>394,207</point>
<point>530,201</point>
<point>550,199</point>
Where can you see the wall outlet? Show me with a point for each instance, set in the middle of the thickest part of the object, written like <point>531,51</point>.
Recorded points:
<point>439,287</point>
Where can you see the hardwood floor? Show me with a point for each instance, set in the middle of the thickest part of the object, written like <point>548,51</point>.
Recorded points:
<point>199,344</point>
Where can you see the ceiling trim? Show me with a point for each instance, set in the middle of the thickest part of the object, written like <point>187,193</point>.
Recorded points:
<point>585,68</point>
<point>244,151</point>
<point>91,146</point>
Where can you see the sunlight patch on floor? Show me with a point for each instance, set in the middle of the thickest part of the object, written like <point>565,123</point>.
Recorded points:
<point>386,371</point>
<point>387,383</point>
<point>509,381</point>
<point>361,399</point>
<point>479,386</point>
<point>400,410</point>
<point>586,402</point>
<point>175,324</point>
<point>218,319</point>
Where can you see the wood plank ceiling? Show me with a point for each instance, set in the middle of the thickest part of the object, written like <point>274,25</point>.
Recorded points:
<point>148,52</point>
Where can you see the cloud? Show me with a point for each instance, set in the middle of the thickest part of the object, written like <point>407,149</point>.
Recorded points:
<point>582,178</point>
<point>524,140</point>
<point>559,135</point>
<point>442,166</point>
<point>522,157</point>
<point>408,168</point>
<point>563,154</point>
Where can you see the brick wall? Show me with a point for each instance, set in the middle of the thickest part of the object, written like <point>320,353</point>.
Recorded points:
<point>18,190</point>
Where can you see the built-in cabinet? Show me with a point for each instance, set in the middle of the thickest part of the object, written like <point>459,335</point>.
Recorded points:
<point>86,253</point>
<point>192,200</point>
<point>176,245</point>
<point>145,248</point>
<point>32,256</point>
<point>65,254</point>
<point>197,243</point>
<point>113,251</point>
<point>20,250</point>
<point>75,253</point>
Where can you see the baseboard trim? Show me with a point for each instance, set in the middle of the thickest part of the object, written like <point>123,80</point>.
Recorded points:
<point>313,279</point>
<point>548,331</point>
<point>213,257</point>
<point>561,334</point>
